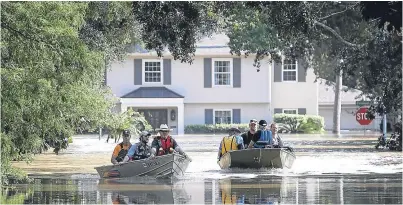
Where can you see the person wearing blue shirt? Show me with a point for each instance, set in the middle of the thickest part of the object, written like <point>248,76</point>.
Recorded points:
<point>263,137</point>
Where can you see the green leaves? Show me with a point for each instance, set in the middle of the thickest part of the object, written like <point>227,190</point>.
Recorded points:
<point>52,75</point>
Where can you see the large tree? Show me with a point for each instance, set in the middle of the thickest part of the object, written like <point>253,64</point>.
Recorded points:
<point>53,59</point>
<point>297,29</point>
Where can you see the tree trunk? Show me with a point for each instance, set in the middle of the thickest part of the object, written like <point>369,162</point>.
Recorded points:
<point>337,103</point>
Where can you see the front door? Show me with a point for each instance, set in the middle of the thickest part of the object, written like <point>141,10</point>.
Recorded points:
<point>155,117</point>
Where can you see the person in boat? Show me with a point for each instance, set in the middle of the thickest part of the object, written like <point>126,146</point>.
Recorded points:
<point>277,141</point>
<point>140,150</point>
<point>165,144</point>
<point>250,134</point>
<point>262,137</point>
<point>121,149</point>
<point>233,141</point>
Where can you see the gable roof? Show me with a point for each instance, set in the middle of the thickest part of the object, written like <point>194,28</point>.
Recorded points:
<point>215,44</point>
<point>326,94</point>
<point>152,92</point>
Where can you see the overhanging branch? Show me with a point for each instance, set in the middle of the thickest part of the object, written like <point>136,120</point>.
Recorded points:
<point>337,35</point>
<point>322,18</point>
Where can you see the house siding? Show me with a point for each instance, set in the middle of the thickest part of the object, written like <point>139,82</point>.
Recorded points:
<point>294,95</point>
<point>195,113</point>
<point>188,80</point>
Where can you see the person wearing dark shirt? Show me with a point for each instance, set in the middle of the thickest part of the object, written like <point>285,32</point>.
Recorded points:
<point>256,136</point>
<point>250,134</point>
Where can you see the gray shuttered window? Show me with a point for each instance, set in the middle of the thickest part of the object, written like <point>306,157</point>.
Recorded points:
<point>301,111</point>
<point>278,110</point>
<point>138,71</point>
<point>236,72</point>
<point>236,116</point>
<point>207,73</point>
<point>167,71</point>
<point>277,72</point>
<point>208,116</point>
<point>301,71</point>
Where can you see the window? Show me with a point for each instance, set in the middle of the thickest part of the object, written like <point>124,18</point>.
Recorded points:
<point>290,111</point>
<point>152,71</point>
<point>222,116</point>
<point>222,72</point>
<point>289,70</point>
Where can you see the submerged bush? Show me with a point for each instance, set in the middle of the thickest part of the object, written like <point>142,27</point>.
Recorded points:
<point>213,129</point>
<point>299,123</point>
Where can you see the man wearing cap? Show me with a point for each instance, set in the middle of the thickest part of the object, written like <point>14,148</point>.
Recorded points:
<point>262,137</point>
<point>231,142</point>
<point>250,135</point>
<point>140,150</point>
<point>121,149</point>
<point>165,144</point>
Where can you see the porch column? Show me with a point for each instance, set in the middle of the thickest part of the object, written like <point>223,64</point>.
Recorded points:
<point>123,108</point>
<point>181,119</point>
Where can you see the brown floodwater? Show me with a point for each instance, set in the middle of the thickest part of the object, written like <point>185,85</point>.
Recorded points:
<point>328,169</point>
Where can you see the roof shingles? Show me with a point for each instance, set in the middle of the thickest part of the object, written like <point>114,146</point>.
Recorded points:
<point>152,92</point>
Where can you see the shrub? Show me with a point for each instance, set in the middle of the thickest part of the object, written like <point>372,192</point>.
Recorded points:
<point>299,123</point>
<point>213,129</point>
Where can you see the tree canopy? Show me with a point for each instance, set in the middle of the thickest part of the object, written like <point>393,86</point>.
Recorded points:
<point>53,59</point>
<point>54,54</point>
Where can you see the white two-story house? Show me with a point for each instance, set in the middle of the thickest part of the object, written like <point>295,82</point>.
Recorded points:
<point>221,88</point>
<point>216,88</point>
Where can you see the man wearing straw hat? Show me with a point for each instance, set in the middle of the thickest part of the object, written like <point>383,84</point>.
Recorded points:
<point>165,144</point>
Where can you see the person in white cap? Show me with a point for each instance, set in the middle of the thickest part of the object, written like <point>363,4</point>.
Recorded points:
<point>165,144</point>
<point>140,150</point>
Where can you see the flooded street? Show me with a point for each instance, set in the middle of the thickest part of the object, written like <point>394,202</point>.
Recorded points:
<point>328,169</point>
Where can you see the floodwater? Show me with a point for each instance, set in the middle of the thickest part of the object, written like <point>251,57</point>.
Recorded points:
<point>328,169</point>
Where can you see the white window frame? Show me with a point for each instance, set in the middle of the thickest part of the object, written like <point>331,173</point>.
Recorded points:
<point>296,111</point>
<point>213,60</point>
<point>144,71</point>
<point>282,72</point>
<point>230,110</point>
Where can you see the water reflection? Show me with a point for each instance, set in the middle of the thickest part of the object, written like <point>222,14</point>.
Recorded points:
<point>371,189</point>
<point>141,191</point>
<point>236,191</point>
<point>335,189</point>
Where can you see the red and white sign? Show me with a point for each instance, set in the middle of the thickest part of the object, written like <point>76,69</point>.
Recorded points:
<point>361,116</point>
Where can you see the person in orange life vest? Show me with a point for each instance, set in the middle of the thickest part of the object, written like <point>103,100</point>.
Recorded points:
<point>233,141</point>
<point>121,149</point>
<point>165,144</point>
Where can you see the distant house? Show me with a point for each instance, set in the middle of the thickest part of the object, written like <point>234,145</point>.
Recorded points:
<point>348,108</point>
<point>217,88</point>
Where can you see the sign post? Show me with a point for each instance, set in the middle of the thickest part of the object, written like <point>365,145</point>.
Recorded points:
<point>361,116</point>
<point>362,103</point>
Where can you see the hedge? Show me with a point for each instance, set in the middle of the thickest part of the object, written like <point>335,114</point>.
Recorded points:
<point>286,122</point>
<point>214,129</point>
<point>299,123</point>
